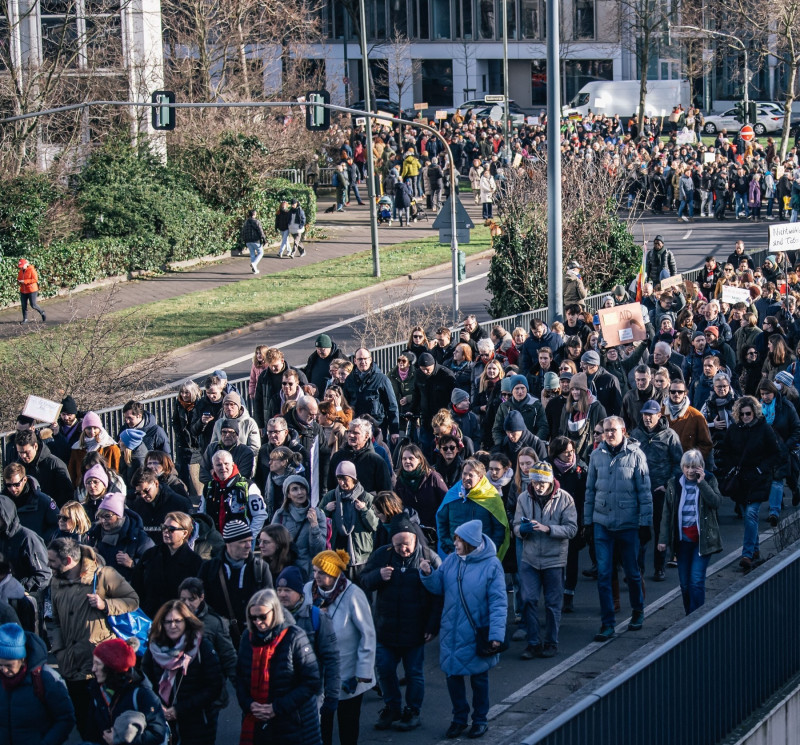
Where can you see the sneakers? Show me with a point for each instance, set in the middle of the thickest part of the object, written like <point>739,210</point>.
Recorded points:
<point>302,252</point>
<point>659,575</point>
<point>591,573</point>
<point>454,730</point>
<point>44,316</point>
<point>637,620</point>
<point>673,562</point>
<point>409,720</point>
<point>605,634</point>
<point>387,717</point>
<point>531,652</point>
<point>550,650</point>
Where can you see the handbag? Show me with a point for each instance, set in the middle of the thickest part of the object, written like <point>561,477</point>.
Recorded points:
<point>134,624</point>
<point>729,484</point>
<point>483,645</point>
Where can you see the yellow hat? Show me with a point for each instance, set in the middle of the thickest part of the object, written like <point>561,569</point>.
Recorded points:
<point>333,563</point>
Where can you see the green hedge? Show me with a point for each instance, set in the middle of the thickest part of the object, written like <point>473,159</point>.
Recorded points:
<point>24,202</point>
<point>267,199</point>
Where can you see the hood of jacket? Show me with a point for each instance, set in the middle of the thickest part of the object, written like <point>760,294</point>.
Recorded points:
<point>91,561</point>
<point>8,515</point>
<point>486,551</point>
<point>35,651</point>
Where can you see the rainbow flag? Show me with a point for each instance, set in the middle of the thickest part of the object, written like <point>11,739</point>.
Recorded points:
<point>641,276</point>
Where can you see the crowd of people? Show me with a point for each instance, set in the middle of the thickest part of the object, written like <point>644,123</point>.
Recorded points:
<point>303,541</point>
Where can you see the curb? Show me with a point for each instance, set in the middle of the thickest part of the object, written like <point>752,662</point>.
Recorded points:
<point>321,305</point>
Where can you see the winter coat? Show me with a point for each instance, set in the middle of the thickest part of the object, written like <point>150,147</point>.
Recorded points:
<point>528,440</point>
<point>202,432</point>
<point>154,436</point>
<point>372,393</point>
<point>36,510</point>
<point>482,583</point>
<point>242,583</point>
<point>326,649</point>
<point>307,539</point>
<point>484,504</point>
<point>316,459</point>
<point>267,401</point>
<point>248,432</point>
<point>574,290</point>
<point>605,388</point>
<point>529,355</point>
<point>294,683</point>
<point>187,443</point>
<point>262,460</point>
<point>27,717</point>
<point>242,455</point>
<point>153,513</point>
<point>372,470</point>
<point>23,549</point>
<point>658,261</point>
<point>131,539</point>
<point>358,543</point>
<point>158,574</point>
<point>618,488</point>
<point>217,630</point>
<point>692,431</point>
<point>76,628</point>
<point>708,503</point>
<point>573,482</point>
<point>426,499</point>
<point>532,412</point>
<point>317,369</point>
<point>404,611</point>
<point>546,550</point>
<point>28,279</point>
<point>252,231</point>
<point>756,450</point>
<point>487,187</point>
<point>662,449</point>
<point>403,388</point>
<point>432,393</point>
<point>233,500</point>
<point>194,694</point>
<point>355,636</point>
<point>51,473</point>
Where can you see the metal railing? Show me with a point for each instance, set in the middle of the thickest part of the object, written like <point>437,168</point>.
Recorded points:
<point>696,687</point>
<point>295,175</point>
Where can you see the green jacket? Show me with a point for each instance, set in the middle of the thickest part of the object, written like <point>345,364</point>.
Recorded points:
<point>710,500</point>
<point>353,530</point>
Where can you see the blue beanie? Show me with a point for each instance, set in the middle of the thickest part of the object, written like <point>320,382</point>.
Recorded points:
<point>12,642</point>
<point>292,578</point>
<point>519,380</point>
<point>131,438</point>
<point>506,385</point>
<point>514,422</point>
<point>471,532</point>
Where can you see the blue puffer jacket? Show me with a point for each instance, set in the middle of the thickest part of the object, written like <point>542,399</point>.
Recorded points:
<point>131,539</point>
<point>25,717</point>
<point>483,584</point>
<point>618,488</point>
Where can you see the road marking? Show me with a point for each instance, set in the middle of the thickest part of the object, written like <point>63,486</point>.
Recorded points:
<point>686,236</point>
<point>338,324</point>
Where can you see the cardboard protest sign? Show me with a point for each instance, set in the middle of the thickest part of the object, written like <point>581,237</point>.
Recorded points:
<point>735,295</point>
<point>622,324</point>
<point>668,282</point>
<point>41,409</point>
<point>784,237</point>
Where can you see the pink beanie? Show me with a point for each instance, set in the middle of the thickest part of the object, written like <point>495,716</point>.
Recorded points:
<point>96,472</point>
<point>113,502</point>
<point>90,419</point>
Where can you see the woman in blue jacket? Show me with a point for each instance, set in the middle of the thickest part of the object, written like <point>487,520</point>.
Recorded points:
<point>473,584</point>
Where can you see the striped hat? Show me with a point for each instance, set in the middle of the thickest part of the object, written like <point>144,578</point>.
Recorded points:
<point>542,472</point>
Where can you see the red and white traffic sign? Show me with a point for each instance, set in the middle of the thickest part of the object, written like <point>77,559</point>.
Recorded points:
<point>747,134</point>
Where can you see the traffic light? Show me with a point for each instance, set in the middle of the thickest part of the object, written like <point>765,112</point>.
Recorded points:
<point>163,117</point>
<point>740,112</point>
<point>318,118</point>
<point>752,112</point>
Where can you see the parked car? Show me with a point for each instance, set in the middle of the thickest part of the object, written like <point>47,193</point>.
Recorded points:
<point>379,104</point>
<point>767,121</point>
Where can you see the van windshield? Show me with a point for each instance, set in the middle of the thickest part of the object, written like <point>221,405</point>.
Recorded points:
<point>580,100</point>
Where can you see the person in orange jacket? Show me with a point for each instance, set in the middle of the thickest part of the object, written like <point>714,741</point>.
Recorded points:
<point>28,279</point>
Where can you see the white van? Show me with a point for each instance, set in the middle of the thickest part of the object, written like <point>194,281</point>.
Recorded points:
<point>621,98</point>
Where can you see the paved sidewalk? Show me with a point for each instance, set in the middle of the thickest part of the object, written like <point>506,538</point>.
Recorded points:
<point>348,232</point>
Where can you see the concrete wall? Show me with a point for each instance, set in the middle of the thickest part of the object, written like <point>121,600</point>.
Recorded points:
<point>780,726</point>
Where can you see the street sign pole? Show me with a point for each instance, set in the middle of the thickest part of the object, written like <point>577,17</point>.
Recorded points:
<point>555,298</point>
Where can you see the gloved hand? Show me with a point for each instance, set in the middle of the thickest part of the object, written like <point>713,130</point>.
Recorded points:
<point>329,704</point>
<point>350,685</point>
<point>588,533</point>
<point>525,528</point>
<point>645,534</point>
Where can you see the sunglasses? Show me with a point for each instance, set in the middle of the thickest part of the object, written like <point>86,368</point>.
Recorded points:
<point>260,617</point>
<point>505,395</point>
<point>63,518</point>
<point>287,382</point>
<point>676,393</point>
<point>171,529</point>
<point>15,483</point>
<point>449,448</point>
<point>746,413</point>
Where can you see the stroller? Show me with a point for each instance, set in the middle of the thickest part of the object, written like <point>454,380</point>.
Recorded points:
<point>417,211</point>
<point>385,210</point>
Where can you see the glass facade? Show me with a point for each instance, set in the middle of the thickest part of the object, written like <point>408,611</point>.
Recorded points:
<point>579,72</point>
<point>437,81</point>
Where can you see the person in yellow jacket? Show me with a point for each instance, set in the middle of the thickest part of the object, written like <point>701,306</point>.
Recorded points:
<point>28,280</point>
<point>410,172</point>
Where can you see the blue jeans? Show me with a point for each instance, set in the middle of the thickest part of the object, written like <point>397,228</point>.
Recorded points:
<point>750,542</point>
<point>776,498</point>
<point>284,242</point>
<point>533,581</point>
<point>386,661</point>
<point>628,542</point>
<point>688,202</point>
<point>457,688</point>
<point>692,575</point>
<point>256,252</point>
<point>740,200</point>
<point>354,187</point>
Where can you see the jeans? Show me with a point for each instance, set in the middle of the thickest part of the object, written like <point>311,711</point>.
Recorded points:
<point>386,661</point>
<point>770,202</point>
<point>705,202</point>
<point>692,575</point>
<point>256,252</point>
<point>776,498</point>
<point>487,210</point>
<point>688,202</point>
<point>284,242</point>
<point>533,581</point>
<point>354,187</point>
<point>627,541</point>
<point>741,204</point>
<point>457,688</point>
<point>750,541</point>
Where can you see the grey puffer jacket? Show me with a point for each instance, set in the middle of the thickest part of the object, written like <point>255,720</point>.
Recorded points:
<point>618,488</point>
<point>662,449</point>
<point>547,550</point>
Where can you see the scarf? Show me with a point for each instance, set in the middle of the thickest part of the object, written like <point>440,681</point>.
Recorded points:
<point>769,411</point>
<point>187,406</point>
<point>563,466</point>
<point>15,681</point>
<point>259,680</point>
<point>171,660</point>
<point>504,480</point>
<point>411,479</point>
<point>403,374</point>
<point>90,444</point>
<point>222,485</point>
<point>110,536</point>
<point>676,411</point>
<point>324,598</point>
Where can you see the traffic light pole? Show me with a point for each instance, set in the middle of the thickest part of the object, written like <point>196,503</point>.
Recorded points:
<point>288,104</point>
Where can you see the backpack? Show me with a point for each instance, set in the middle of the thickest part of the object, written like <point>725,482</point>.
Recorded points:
<point>336,180</point>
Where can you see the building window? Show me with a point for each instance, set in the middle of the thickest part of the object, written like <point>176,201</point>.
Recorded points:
<point>463,16</point>
<point>583,26</point>
<point>419,20</point>
<point>511,18</point>
<point>437,82</point>
<point>494,76</point>
<point>486,11</point>
<point>398,12</point>
<point>578,73</point>
<point>532,17</point>
<point>538,82</point>
<point>441,18</point>
<point>81,35</point>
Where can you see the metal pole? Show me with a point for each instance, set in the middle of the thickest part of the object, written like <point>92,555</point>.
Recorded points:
<point>555,297</point>
<point>453,238</point>
<point>373,212</point>
<point>746,86</point>
<point>506,129</point>
<point>346,80</point>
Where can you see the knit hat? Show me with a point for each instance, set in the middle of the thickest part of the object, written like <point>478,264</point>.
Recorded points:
<point>574,265</point>
<point>651,407</point>
<point>333,563</point>
<point>772,258</point>
<point>551,382</point>
<point>292,578</point>
<point>116,655</point>
<point>12,642</point>
<point>128,727</point>
<point>514,422</point>
<point>113,502</point>
<point>426,360</point>
<point>90,419</point>
<point>323,342</point>
<point>68,405</point>
<point>542,472</point>
<point>221,374</point>
<point>713,330</point>
<point>458,396</point>
<point>579,381</point>
<point>519,380</point>
<point>347,468</point>
<point>96,472</point>
<point>131,438</point>
<point>236,530</point>
<point>234,397</point>
<point>784,378</point>
<point>658,238</point>
<point>566,375</point>
<point>506,386</point>
<point>618,290</point>
<point>295,479</point>
<point>230,424</point>
<point>591,357</point>
<point>697,334</point>
<point>471,532</point>
<point>400,524</point>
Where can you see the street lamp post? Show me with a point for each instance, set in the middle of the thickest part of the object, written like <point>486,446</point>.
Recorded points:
<point>506,128</point>
<point>555,297</point>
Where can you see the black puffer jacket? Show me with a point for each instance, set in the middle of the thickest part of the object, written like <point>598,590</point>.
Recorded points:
<point>23,549</point>
<point>317,368</point>
<point>267,401</point>
<point>372,469</point>
<point>158,575</point>
<point>153,513</point>
<point>431,393</point>
<point>131,539</point>
<point>202,431</point>
<point>294,683</point>
<point>36,510</point>
<point>574,483</point>
<point>756,450</point>
<point>187,443</point>
<point>372,393</point>
<point>51,473</point>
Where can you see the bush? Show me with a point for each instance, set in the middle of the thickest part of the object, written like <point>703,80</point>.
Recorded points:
<point>24,203</point>
<point>267,199</point>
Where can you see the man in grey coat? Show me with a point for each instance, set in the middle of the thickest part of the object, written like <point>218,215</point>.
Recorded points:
<point>618,513</point>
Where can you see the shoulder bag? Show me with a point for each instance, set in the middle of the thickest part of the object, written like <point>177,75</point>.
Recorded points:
<point>483,645</point>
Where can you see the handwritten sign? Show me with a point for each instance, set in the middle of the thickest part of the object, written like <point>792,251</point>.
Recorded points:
<point>420,106</point>
<point>440,115</point>
<point>784,237</point>
<point>41,409</point>
<point>361,121</point>
<point>735,295</point>
<point>622,324</point>
<point>668,282</point>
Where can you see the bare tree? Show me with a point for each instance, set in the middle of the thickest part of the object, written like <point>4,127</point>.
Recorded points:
<point>397,69</point>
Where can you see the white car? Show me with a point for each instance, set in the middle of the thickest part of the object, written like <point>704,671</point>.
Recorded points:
<point>767,121</point>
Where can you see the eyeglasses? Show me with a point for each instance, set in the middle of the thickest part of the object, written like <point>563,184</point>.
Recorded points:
<point>597,434</point>
<point>171,529</point>
<point>275,431</point>
<point>15,483</point>
<point>448,448</point>
<point>417,336</point>
<point>260,617</point>
<point>505,395</point>
<point>746,413</point>
<point>572,452</point>
<point>752,354</point>
<point>678,392</point>
<point>363,359</point>
<point>174,622</point>
<point>103,516</point>
<point>63,518</point>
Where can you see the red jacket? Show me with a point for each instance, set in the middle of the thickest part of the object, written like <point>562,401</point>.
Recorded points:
<point>28,279</point>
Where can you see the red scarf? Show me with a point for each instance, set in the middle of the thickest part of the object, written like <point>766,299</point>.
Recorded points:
<point>259,684</point>
<point>222,486</point>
